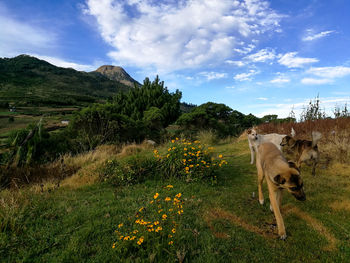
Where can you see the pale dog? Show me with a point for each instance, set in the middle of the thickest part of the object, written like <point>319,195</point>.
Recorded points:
<point>255,139</point>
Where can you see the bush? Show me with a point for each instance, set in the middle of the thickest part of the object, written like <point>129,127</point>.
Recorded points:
<point>154,228</point>
<point>190,160</point>
<point>130,170</point>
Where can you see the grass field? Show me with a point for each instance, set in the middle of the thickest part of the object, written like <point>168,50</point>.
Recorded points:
<point>221,223</point>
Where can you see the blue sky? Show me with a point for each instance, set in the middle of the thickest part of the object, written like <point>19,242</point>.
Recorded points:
<point>256,56</point>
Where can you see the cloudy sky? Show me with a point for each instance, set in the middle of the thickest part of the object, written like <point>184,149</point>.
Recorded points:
<point>256,56</point>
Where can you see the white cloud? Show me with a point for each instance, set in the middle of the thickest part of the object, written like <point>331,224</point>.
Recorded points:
<point>66,64</point>
<point>310,36</point>
<point>230,87</point>
<point>290,60</point>
<point>213,75</point>
<point>330,72</point>
<point>17,37</point>
<point>246,76</point>
<point>313,81</point>
<point>280,80</point>
<point>262,55</point>
<point>179,34</point>
<point>235,63</point>
<point>262,98</point>
<point>244,50</point>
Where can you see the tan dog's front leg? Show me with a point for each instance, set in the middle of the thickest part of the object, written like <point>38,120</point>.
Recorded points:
<point>260,181</point>
<point>276,210</point>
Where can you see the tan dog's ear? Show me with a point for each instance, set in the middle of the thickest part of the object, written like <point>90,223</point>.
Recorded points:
<point>293,165</point>
<point>279,179</point>
<point>249,131</point>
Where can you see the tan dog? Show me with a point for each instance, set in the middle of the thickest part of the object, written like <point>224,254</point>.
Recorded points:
<point>303,150</point>
<point>280,175</point>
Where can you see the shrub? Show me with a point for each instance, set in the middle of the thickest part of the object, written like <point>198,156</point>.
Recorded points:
<point>154,228</point>
<point>130,170</point>
<point>190,160</point>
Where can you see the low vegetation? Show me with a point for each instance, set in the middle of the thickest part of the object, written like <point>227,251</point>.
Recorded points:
<point>98,221</point>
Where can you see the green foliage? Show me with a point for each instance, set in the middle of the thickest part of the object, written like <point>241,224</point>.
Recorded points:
<point>341,112</point>
<point>151,94</point>
<point>103,124</point>
<point>313,111</point>
<point>128,171</point>
<point>189,160</point>
<point>131,117</point>
<point>25,145</point>
<point>216,117</point>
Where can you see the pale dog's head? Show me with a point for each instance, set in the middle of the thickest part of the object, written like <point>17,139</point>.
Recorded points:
<point>252,134</point>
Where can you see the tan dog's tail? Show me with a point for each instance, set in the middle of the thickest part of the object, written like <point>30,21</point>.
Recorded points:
<point>316,136</point>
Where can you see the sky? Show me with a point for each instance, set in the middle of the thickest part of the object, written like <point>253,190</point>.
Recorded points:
<point>256,56</point>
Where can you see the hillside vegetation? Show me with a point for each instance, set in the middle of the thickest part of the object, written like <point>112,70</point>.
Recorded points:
<point>28,81</point>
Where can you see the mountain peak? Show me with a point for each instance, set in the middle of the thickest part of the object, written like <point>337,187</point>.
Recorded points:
<point>117,73</point>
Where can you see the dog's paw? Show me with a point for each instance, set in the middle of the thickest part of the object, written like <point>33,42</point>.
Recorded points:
<point>261,201</point>
<point>283,237</point>
<point>271,208</point>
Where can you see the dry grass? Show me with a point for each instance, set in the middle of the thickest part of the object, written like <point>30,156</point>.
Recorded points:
<point>341,205</point>
<point>207,137</point>
<point>72,171</point>
<point>334,144</point>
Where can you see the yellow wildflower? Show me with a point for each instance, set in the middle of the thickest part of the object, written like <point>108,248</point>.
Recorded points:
<point>164,217</point>
<point>173,230</point>
<point>159,229</point>
<point>178,195</point>
<point>156,196</point>
<point>156,223</point>
<point>120,225</point>
<point>220,155</point>
<point>185,149</point>
<point>167,199</point>
<point>172,141</point>
<point>169,186</point>
<point>171,242</point>
<point>140,241</point>
<point>187,168</point>
<point>169,149</point>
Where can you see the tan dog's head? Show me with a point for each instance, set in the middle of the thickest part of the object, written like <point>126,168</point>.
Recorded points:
<point>287,140</point>
<point>252,134</point>
<point>291,180</point>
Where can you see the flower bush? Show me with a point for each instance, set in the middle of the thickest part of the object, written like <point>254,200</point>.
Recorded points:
<point>154,226</point>
<point>128,171</point>
<point>191,160</point>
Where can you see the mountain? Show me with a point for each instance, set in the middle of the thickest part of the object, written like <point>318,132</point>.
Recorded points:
<point>118,74</point>
<point>28,81</point>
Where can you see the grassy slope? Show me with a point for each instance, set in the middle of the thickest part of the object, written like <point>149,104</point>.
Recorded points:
<point>76,225</point>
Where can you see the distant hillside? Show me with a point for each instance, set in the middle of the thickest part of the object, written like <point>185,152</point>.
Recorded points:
<point>118,74</point>
<point>28,81</point>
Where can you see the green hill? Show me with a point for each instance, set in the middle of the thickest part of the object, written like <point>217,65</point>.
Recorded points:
<point>28,81</point>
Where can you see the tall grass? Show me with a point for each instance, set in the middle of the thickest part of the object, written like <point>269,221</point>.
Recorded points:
<point>335,142</point>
